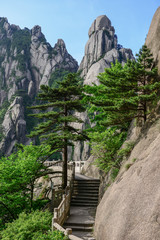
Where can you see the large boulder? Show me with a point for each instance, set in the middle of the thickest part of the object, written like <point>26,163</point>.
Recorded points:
<point>130,207</point>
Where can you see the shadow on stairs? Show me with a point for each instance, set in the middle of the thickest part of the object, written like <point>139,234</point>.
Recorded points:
<point>83,207</point>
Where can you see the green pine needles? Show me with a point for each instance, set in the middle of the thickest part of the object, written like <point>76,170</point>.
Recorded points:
<point>58,128</point>
<point>125,92</point>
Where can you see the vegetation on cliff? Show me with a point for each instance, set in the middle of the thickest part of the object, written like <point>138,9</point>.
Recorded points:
<point>125,93</point>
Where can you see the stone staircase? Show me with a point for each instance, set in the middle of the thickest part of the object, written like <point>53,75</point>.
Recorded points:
<point>85,193</point>
<point>83,208</point>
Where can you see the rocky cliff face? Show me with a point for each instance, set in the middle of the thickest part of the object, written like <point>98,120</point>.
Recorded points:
<point>153,37</point>
<point>26,62</point>
<point>100,51</point>
<point>130,207</point>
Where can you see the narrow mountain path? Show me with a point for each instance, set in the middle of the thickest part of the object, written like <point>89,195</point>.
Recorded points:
<point>83,207</point>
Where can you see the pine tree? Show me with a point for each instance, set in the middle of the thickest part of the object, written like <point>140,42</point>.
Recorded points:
<point>148,81</point>
<point>125,91</point>
<point>58,109</point>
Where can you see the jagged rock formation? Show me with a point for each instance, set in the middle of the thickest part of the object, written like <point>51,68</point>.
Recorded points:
<point>130,207</point>
<point>153,37</point>
<point>100,50</point>
<point>101,40</point>
<point>26,62</point>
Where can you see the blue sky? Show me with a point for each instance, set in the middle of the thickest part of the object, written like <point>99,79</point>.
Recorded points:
<point>71,19</point>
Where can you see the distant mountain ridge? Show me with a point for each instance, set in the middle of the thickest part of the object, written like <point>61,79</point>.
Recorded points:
<point>27,60</point>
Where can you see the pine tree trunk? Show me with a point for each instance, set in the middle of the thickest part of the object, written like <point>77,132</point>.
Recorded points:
<point>31,199</point>
<point>65,153</point>
<point>144,112</point>
<point>145,104</point>
<point>65,165</point>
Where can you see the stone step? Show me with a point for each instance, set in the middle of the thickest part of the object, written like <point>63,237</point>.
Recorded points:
<point>84,236</point>
<point>84,204</point>
<point>86,182</point>
<point>73,224</point>
<point>81,203</point>
<point>85,197</point>
<point>81,228</point>
<point>86,194</point>
<point>84,200</point>
<point>86,186</point>
<point>83,191</point>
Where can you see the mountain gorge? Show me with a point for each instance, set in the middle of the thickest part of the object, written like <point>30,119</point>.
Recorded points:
<point>28,60</point>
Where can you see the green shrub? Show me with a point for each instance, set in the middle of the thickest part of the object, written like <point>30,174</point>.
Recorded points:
<point>125,152</point>
<point>33,226</point>
<point>114,173</point>
<point>105,146</point>
<point>127,166</point>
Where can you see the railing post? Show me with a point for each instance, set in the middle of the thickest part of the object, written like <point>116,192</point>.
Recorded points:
<point>56,215</point>
<point>53,221</point>
<point>73,171</point>
<point>64,204</point>
<point>68,231</point>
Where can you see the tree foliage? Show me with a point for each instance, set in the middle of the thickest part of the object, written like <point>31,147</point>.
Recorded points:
<point>125,92</point>
<point>33,226</point>
<point>57,110</point>
<point>105,145</point>
<point>18,174</point>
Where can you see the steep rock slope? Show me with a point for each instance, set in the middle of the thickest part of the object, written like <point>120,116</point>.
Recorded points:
<point>100,50</point>
<point>130,208</point>
<point>153,37</point>
<point>26,62</point>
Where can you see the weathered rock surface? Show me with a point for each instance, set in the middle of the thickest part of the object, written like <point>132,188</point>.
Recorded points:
<point>111,56</point>
<point>90,170</point>
<point>26,62</point>
<point>153,37</point>
<point>101,40</point>
<point>14,126</point>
